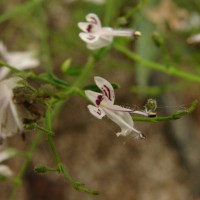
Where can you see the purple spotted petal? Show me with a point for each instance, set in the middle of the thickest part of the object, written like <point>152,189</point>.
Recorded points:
<point>97,112</point>
<point>106,88</point>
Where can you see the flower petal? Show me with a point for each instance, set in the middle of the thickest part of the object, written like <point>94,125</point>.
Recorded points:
<point>97,112</point>
<point>6,154</point>
<point>124,120</point>
<point>194,39</point>
<point>3,50</point>
<point>99,2</point>
<point>89,38</point>
<point>10,121</point>
<point>98,44</point>
<point>106,34</point>
<point>105,87</point>
<point>103,41</point>
<point>94,97</point>
<point>93,19</point>
<point>141,113</point>
<point>113,32</point>
<point>4,71</point>
<point>88,27</point>
<point>5,171</point>
<point>84,26</point>
<point>19,60</point>
<point>22,60</point>
<point>16,117</point>
<point>116,108</point>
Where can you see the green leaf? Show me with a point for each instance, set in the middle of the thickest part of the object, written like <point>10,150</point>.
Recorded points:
<point>54,80</point>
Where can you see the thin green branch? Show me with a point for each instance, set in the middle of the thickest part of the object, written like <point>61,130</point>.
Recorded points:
<point>61,168</point>
<point>3,64</point>
<point>28,155</point>
<point>40,128</point>
<point>171,70</point>
<point>177,115</point>
<point>44,35</point>
<point>18,10</point>
<point>85,72</point>
<point>134,9</point>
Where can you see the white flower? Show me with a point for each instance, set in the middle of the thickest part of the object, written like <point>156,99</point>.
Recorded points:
<point>194,39</point>
<point>97,36</point>
<point>4,155</point>
<point>98,2</point>
<point>104,105</point>
<point>19,60</point>
<point>10,120</point>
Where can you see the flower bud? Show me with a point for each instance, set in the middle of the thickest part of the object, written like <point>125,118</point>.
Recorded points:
<point>158,40</point>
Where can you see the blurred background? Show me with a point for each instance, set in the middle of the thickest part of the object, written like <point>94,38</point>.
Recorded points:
<point>164,166</point>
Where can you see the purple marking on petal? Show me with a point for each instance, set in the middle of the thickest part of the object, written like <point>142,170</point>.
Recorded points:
<point>99,99</point>
<point>107,92</point>
<point>91,37</point>
<point>99,112</point>
<point>89,28</point>
<point>93,20</point>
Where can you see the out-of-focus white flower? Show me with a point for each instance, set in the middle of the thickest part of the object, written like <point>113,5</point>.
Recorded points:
<point>99,2</point>
<point>194,39</point>
<point>96,1</point>
<point>97,36</point>
<point>19,60</point>
<point>10,120</point>
<point>5,171</point>
<point>192,21</point>
<point>4,155</point>
<point>104,105</point>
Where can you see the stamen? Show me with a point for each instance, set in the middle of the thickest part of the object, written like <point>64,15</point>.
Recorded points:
<point>137,34</point>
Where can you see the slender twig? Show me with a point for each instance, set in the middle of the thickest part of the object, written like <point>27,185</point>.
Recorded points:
<point>171,70</point>
<point>85,72</point>
<point>44,35</point>
<point>40,128</point>
<point>28,155</point>
<point>3,64</point>
<point>61,168</point>
<point>18,10</point>
<point>174,116</point>
<point>134,9</point>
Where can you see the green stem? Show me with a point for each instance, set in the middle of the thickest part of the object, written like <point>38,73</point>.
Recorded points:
<point>44,35</point>
<point>60,166</point>
<point>28,154</point>
<point>3,64</point>
<point>85,73</point>
<point>165,69</point>
<point>19,10</point>
<point>134,9</point>
<point>43,129</point>
<point>174,116</point>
